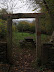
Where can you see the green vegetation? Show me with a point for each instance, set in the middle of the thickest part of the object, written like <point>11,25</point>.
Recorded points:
<point>24,26</point>
<point>3,25</point>
<point>17,36</point>
<point>47,22</point>
<point>3,28</point>
<point>46,27</point>
<point>49,9</point>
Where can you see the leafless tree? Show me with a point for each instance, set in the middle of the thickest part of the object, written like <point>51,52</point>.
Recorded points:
<point>11,5</point>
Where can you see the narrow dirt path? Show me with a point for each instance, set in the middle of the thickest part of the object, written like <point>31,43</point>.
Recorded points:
<point>22,61</point>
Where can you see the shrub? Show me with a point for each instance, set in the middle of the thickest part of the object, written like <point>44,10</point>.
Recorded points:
<point>3,28</point>
<point>26,27</point>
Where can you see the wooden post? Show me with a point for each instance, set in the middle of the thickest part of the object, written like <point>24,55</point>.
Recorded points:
<point>38,39</point>
<point>9,39</point>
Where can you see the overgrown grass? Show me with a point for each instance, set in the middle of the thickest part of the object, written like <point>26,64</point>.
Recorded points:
<point>20,35</point>
<point>17,36</point>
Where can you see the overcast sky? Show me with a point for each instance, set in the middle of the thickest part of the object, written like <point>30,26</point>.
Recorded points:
<point>20,6</point>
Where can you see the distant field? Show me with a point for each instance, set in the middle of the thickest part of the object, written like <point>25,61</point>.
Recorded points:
<point>17,36</point>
